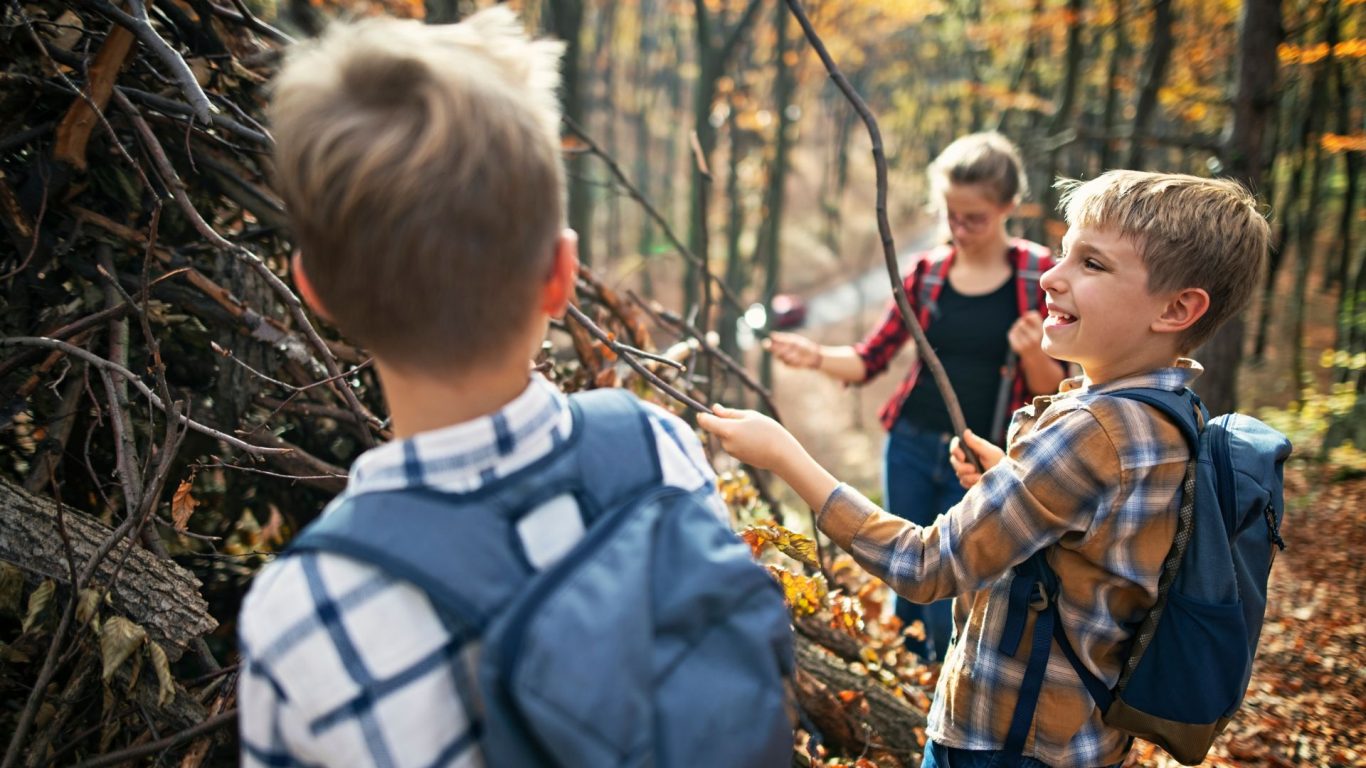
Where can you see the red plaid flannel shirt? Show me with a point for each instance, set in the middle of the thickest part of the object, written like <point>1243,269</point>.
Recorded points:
<point>879,347</point>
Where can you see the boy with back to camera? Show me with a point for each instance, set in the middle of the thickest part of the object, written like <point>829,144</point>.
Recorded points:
<point>1152,265</point>
<point>421,168</point>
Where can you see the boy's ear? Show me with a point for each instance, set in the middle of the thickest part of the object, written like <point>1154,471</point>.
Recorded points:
<point>558,290</point>
<point>306,292</point>
<point>1183,309</point>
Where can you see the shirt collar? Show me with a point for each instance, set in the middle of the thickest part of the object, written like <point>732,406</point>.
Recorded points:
<point>466,455</point>
<point>1173,379</point>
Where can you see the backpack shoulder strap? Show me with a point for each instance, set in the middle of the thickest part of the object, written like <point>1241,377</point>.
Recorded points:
<point>937,263</point>
<point>1180,407</point>
<point>460,548</point>
<point>617,453</point>
<point>434,541</point>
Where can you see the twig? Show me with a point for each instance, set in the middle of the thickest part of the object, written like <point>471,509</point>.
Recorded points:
<point>631,189</point>
<point>884,227</point>
<point>152,747</point>
<point>244,14</point>
<point>650,376</point>
<point>177,187</point>
<point>142,29</point>
<point>106,365</point>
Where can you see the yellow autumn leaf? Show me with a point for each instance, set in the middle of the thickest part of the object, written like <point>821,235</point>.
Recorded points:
<point>37,602</point>
<point>88,607</point>
<point>162,666</point>
<point>119,638</point>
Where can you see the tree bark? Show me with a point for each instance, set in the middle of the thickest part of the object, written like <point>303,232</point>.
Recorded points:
<point>155,593</point>
<point>854,712</point>
<point>1155,71</point>
<point>1259,31</point>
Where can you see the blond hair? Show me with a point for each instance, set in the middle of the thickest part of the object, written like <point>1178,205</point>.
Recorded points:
<point>987,159</point>
<point>1190,232</point>
<point>422,172</point>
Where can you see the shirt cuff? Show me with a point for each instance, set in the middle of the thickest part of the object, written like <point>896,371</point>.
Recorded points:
<point>842,515</point>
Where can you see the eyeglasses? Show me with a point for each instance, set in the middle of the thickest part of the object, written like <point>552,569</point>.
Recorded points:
<point>971,222</point>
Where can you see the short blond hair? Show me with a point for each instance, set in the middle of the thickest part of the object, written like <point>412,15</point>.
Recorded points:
<point>1191,232</point>
<point>421,168</point>
<point>987,159</point>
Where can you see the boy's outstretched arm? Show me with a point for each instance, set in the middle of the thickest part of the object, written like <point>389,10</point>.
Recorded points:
<point>761,442</point>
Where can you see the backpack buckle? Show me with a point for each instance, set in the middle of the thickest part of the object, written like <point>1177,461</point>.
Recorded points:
<point>1039,600</point>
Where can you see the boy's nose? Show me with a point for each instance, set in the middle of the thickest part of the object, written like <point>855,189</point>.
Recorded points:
<point>1051,280</point>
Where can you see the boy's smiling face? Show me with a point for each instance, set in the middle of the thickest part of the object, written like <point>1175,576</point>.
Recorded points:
<point>1100,312</point>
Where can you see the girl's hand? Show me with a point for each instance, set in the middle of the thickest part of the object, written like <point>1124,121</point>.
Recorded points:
<point>1026,335</point>
<point>801,352</point>
<point>986,451</point>
<point>752,437</point>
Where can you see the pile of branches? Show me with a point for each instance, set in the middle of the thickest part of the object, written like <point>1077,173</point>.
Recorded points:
<point>170,413</point>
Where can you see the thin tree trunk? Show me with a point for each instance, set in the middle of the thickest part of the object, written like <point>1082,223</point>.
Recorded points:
<point>1259,30</point>
<point>1155,71</point>
<point>1119,54</point>
<point>784,83</point>
<point>566,22</point>
<point>1063,115</point>
<point>1309,213</point>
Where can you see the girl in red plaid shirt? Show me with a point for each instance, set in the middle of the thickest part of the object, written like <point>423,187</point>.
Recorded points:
<point>977,297</point>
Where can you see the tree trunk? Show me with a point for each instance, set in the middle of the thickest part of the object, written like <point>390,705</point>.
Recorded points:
<point>784,83</point>
<point>1309,212</point>
<point>1063,114</point>
<point>1118,55</point>
<point>1154,72</point>
<point>566,22</point>
<point>1259,30</point>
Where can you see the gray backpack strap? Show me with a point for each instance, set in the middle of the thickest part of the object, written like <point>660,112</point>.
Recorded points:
<point>460,547</point>
<point>435,541</point>
<point>615,447</point>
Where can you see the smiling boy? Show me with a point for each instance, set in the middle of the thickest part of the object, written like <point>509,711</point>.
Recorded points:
<point>1152,265</point>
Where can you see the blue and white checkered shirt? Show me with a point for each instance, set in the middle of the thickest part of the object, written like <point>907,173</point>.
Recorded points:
<point>345,665</point>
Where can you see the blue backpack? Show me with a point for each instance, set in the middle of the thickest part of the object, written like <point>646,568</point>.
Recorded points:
<point>1192,653</point>
<point>655,641</point>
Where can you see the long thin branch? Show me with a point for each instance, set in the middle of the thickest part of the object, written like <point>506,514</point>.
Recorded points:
<point>650,210</point>
<point>152,747</point>
<point>142,28</point>
<point>626,355</point>
<point>884,228</point>
<point>106,365</point>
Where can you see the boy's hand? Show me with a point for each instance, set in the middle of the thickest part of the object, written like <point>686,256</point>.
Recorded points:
<point>751,437</point>
<point>986,451</point>
<point>1026,334</point>
<point>801,352</point>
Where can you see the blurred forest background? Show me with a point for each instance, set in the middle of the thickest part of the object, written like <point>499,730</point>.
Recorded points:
<point>170,414</point>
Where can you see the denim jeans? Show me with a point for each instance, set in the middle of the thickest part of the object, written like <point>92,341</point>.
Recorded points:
<point>919,485</point>
<point>940,756</point>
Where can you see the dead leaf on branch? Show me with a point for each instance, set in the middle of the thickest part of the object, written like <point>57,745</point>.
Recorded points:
<point>183,504</point>
<point>38,601</point>
<point>162,666</point>
<point>119,638</point>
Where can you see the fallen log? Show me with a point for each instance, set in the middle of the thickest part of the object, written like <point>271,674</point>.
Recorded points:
<point>154,592</point>
<point>855,713</point>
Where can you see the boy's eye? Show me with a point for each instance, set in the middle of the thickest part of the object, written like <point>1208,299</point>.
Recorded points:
<point>1093,264</point>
